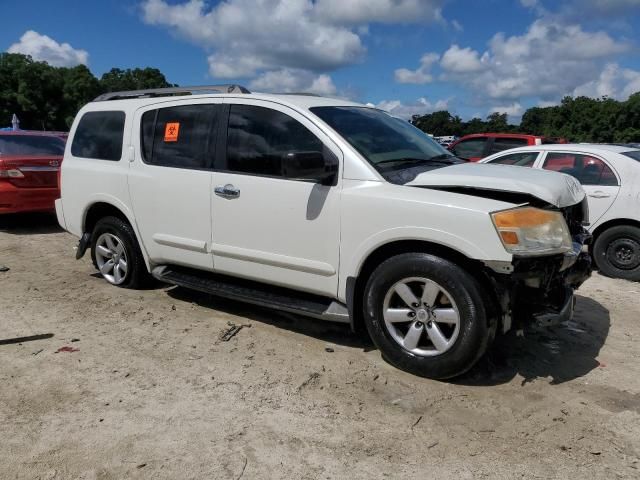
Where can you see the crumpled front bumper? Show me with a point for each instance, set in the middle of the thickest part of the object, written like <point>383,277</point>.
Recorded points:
<point>540,290</point>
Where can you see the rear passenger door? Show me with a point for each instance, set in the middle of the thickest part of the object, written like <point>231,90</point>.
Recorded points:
<point>170,181</point>
<point>266,227</point>
<point>598,179</point>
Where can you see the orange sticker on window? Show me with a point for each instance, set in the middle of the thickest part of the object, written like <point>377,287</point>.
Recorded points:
<point>171,131</point>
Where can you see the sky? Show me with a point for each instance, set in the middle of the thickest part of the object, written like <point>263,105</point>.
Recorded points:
<point>471,57</point>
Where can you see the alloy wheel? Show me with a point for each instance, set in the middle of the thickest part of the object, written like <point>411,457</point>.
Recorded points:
<point>111,258</point>
<point>421,316</point>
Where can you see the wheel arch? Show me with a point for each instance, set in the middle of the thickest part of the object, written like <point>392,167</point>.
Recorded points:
<point>356,284</point>
<point>100,209</point>
<point>616,222</point>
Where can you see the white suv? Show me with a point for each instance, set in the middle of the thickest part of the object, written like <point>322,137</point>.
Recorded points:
<point>325,208</point>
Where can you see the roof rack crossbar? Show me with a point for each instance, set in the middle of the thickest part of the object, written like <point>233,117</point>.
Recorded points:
<point>171,91</point>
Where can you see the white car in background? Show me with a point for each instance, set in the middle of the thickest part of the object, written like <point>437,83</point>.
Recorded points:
<point>610,175</point>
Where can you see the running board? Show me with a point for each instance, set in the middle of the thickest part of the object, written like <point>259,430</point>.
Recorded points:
<point>256,293</point>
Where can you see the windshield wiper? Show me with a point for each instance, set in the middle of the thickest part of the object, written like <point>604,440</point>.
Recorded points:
<point>443,156</point>
<point>441,159</point>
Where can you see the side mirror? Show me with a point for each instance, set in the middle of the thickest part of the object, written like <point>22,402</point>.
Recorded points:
<point>318,167</point>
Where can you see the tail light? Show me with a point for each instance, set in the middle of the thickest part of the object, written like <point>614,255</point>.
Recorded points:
<point>6,172</point>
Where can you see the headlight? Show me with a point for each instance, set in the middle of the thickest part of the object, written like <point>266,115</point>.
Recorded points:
<point>532,231</point>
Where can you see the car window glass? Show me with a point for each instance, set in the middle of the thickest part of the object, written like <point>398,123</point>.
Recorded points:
<point>587,169</point>
<point>500,144</point>
<point>634,154</point>
<point>31,145</point>
<point>179,136</point>
<point>522,159</point>
<point>99,136</point>
<point>258,138</point>
<point>471,148</point>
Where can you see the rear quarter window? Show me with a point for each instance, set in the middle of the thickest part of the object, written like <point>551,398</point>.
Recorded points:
<point>99,136</point>
<point>500,144</point>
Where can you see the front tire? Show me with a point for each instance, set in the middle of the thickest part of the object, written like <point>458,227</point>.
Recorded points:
<point>617,252</point>
<point>116,254</point>
<point>426,315</point>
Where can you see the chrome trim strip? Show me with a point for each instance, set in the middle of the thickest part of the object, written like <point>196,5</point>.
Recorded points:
<point>37,168</point>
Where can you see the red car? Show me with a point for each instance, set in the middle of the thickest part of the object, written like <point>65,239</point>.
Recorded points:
<point>29,166</point>
<point>479,145</point>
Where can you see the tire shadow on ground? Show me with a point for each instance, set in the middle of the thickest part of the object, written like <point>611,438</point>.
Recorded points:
<point>337,333</point>
<point>563,353</point>
<point>29,223</point>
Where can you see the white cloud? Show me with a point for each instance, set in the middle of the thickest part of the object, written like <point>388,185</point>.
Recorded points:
<point>457,26</point>
<point>420,76</point>
<point>513,111</point>
<point>548,61</point>
<point>461,60</point>
<point>607,8</point>
<point>379,11</point>
<point>44,48</point>
<point>290,80</point>
<point>614,82</point>
<point>407,110</point>
<point>250,38</point>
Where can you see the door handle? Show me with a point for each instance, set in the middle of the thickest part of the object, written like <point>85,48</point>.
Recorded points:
<point>227,191</point>
<point>599,194</point>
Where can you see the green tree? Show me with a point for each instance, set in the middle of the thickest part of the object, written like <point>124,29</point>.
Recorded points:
<point>79,87</point>
<point>48,98</point>
<point>116,80</point>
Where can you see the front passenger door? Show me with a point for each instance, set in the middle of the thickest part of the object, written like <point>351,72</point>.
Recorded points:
<point>267,227</point>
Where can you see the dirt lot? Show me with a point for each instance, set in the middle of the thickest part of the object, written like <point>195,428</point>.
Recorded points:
<point>152,392</point>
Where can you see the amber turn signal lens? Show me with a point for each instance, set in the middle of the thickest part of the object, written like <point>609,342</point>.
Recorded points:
<point>510,238</point>
<point>523,218</point>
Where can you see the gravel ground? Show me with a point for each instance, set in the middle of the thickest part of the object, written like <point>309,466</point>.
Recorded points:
<point>150,390</point>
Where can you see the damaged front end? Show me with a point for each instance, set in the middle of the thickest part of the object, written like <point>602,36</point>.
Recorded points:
<point>540,290</point>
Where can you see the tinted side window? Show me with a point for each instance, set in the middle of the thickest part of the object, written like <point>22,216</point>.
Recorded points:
<point>179,136</point>
<point>588,170</point>
<point>99,135</point>
<point>259,137</point>
<point>500,144</point>
<point>472,148</point>
<point>523,159</point>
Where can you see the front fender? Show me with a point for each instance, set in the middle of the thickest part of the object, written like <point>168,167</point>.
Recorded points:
<point>354,263</point>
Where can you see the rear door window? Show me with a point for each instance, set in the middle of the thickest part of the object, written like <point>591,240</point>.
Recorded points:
<point>99,136</point>
<point>181,136</point>
<point>521,159</point>
<point>587,169</point>
<point>471,148</point>
<point>500,144</point>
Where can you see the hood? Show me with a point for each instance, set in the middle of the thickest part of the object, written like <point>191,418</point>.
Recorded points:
<point>558,189</point>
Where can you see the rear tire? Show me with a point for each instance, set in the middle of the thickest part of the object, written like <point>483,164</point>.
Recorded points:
<point>426,315</point>
<point>617,252</point>
<point>116,254</point>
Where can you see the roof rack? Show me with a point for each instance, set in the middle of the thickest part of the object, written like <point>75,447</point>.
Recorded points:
<point>171,91</point>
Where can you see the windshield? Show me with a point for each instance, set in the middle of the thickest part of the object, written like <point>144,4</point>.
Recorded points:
<point>635,154</point>
<point>31,145</point>
<point>386,142</point>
